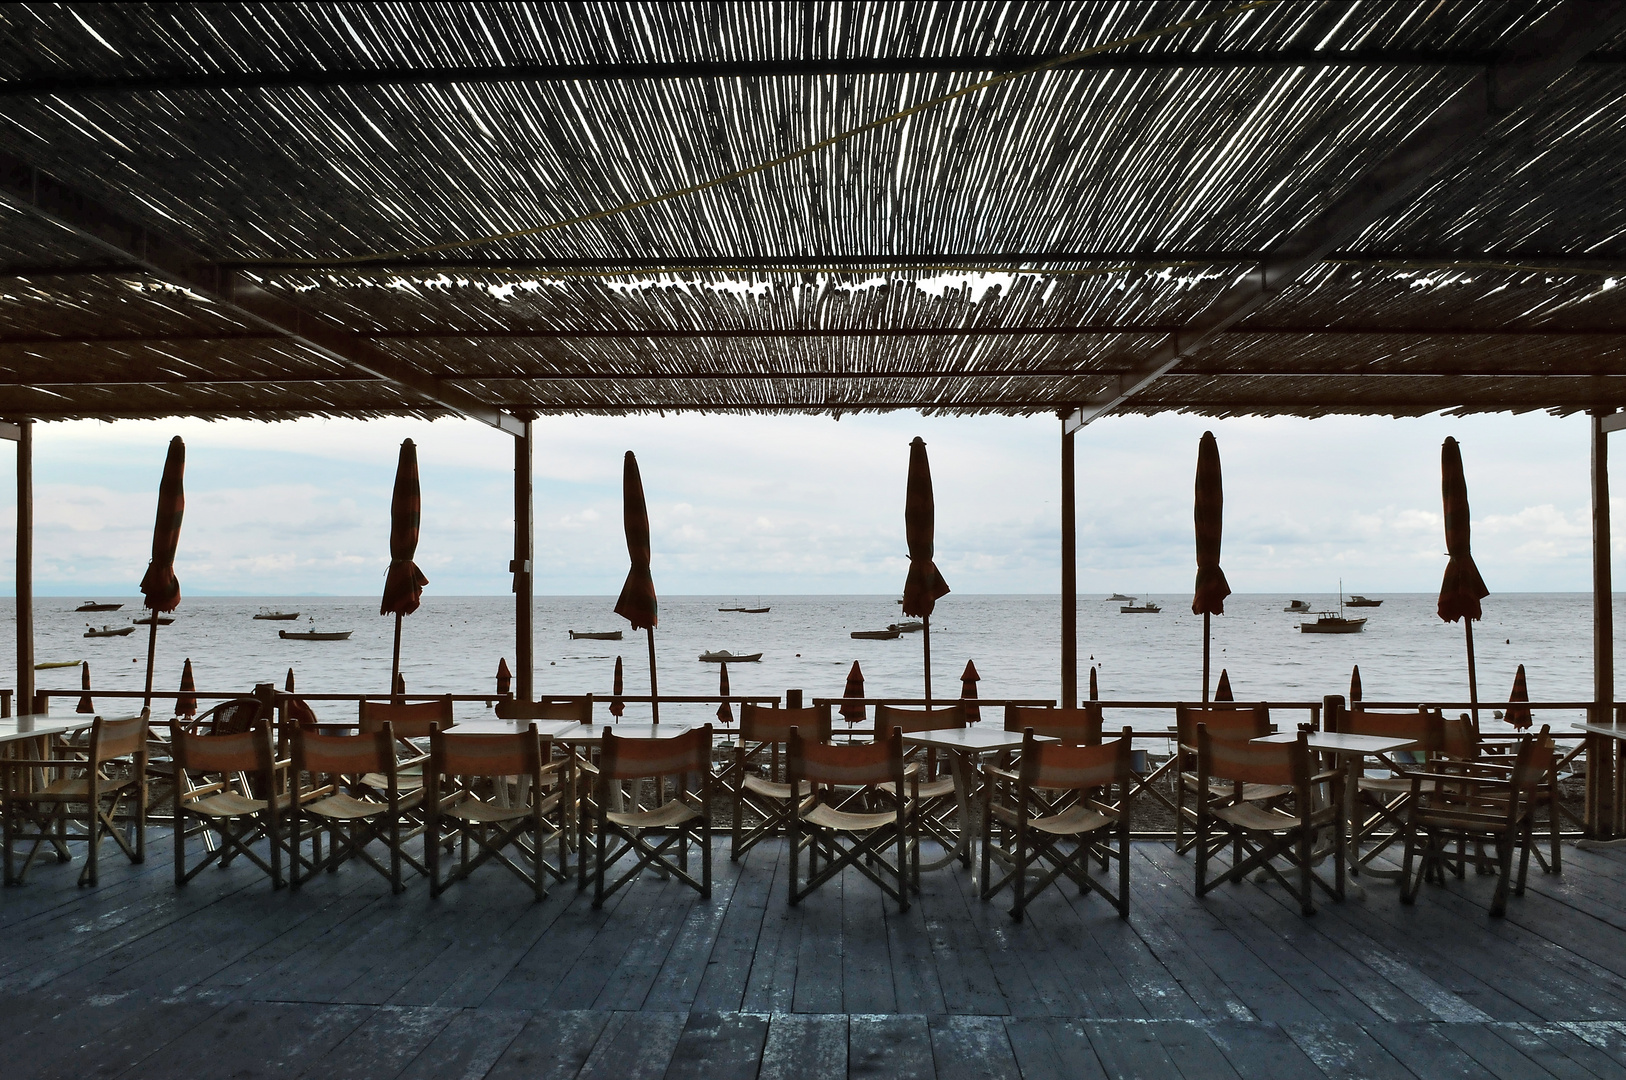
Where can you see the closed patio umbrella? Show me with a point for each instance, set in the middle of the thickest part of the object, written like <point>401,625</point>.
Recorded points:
<point>853,711</point>
<point>403,585</point>
<point>1208,515</point>
<point>505,678</point>
<point>1095,687</point>
<point>85,704</point>
<point>617,706</point>
<point>725,711</point>
<point>1519,716</point>
<point>1354,684</point>
<point>968,691</point>
<point>1222,692</point>
<point>637,603</point>
<point>187,703</point>
<point>924,584</point>
<point>160,589</point>
<point>1462,588</point>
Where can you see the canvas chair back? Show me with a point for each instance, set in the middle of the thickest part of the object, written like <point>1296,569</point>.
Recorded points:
<point>1537,755</point>
<point>485,755</point>
<point>1422,726</point>
<point>110,739</point>
<point>847,764</point>
<point>410,720</point>
<point>758,723</point>
<point>1072,766</point>
<point>1459,739</point>
<point>243,751</point>
<point>228,718</point>
<point>1242,762</point>
<point>345,755</point>
<point>1069,725</point>
<point>632,759</point>
<point>1224,724</point>
<point>578,709</point>
<point>888,717</point>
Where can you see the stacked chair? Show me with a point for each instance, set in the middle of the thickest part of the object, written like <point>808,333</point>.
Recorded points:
<point>1382,801</point>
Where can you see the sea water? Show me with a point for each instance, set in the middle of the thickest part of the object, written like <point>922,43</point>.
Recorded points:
<point>453,644</point>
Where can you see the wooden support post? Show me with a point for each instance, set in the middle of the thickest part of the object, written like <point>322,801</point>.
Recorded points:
<point>524,550</point>
<point>25,565</point>
<point>1069,574</point>
<point>1601,811</point>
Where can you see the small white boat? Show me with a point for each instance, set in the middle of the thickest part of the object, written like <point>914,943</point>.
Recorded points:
<point>1298,607</point>
<point>1119,597</point>
<point>1360,601</point>
<point>726,657</point>
<point>276,616</point>
<point>108,631</point>
<point>907,626</point>
<point>1328,623</point>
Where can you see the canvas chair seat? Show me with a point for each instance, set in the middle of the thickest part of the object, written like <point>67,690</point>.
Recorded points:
<point>455,814</point>
<point>218,806</point>
<point>1224,722</point>
<point>826,816</point>
<point>936,812</point>
<point>343,807</point>
<point>479,811</point>
<point>762,738</point>
<point>1257,819</point>
<point>942,787</point>
<point>770,789</point>
<point>1076,819</point>
<point>73,789</point>
<point>674,813</point>
<point>225,804</point>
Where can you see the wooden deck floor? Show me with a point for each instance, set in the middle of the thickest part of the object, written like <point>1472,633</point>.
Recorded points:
<point>341,979</point>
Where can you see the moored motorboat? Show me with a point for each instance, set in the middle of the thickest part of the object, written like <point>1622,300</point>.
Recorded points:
<point>277,616</point>
<point>726,657</point>
<point>877,635</point>
<point>1298,607</point>
<point>108,631</point>
<point>1119,597</point>
<point>1328,623</point>
<point>315,635</point>
<point>1360,601</point>
<point>92,605</point>
<point>47,665</point>
<point>907,626</point>
<point>147,620</point>
<point>595,635</point>
<point>1147,608</point>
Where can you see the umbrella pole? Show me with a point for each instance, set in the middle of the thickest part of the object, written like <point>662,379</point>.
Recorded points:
<point>152,652</point>
<point>395,664</point>
<point>1473,679</point>
<point>654,694</point>
<point>1205,657</point>
<point>926,641</point>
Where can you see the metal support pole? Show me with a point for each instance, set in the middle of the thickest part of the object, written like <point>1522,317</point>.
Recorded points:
<point>524,550</point>
<point>1601,765</point>
<point>25,566</point>
<point>1069,574</point>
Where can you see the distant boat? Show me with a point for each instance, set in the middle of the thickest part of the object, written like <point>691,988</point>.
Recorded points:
<point>91,605</point>
<point>746,610</point>
<point>108,631</point>
<point>877,635</point>
<point>1118,596</point>
<point>596,635</point>
<point>1360,601</point>
<point>147,620</point>
<point>1328,623</point>
<point>726,657</point>
<point>907,626</point>
<point>1147,608</point>
<point>56,664</point>
<point>315,635</point>
<point>1298,607</point>
<point>277,616</point>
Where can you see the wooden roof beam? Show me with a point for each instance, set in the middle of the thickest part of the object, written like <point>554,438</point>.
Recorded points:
<point>1522,70</point>
<point>41,195</point>
<point>304,78</point>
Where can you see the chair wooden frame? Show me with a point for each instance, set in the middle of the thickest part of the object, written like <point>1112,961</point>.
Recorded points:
<point>344,810</point>
<point>767,730</point>
<point>1383,800</point>
<point>1477,803</point>
<point>410,721</point>
<point>457,812</point>
<point>1081,726</point>
<point>936,803</point>
<point>1258,833</point>
<point>679,820</point>
<point>220,806</point>
<point>1237,724</point>
<point>49,808</point>
<point>820,823</point>
<point>1095,825</point>
<point>578,709</point>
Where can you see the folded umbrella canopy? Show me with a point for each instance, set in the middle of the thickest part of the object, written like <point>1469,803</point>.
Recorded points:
<point>1518,702</point>
<point>1208,515</point>
<point>637,603</point>
<point>85,704</point>
<point>853,711</point>
<point>1095,687</point>
<point>505,677</point>
<point>968,691</point>
<point>924,584</point>
<point>403,584</point>
<point>1462,588</point>
<point>160,589</point>
<point>187,703</point>
<point>617,706</point>
<point>1222,692</point>
<point>1354,684</point>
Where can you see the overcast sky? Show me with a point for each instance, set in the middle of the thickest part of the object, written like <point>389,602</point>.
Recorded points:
<point>776,505</point>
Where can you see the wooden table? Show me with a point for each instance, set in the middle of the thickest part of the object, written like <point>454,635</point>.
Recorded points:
<point>963,746</point>
<point>1351,751</point>
<point>29,737</point>
<point>1615,736</point>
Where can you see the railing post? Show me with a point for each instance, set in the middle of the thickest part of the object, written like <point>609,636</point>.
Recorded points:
<point>793,699</point>
<point>1601,811</point>
<point>25,564</point>
<point>524,553</point>
<point>1332,709</point>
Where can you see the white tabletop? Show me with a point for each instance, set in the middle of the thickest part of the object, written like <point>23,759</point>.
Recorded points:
<point>15,728</point>
<point>592,733</point>
<point>971,740</point>
<point>1332,742</point>
<point>1608,731</point>
<point>483,726</point>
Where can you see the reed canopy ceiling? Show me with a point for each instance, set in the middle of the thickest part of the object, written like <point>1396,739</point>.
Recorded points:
<point>358,209</point>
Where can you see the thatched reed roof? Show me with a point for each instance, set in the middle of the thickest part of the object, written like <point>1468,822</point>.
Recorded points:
<point>278,210</point>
